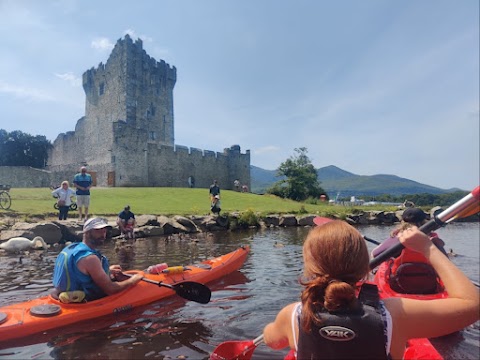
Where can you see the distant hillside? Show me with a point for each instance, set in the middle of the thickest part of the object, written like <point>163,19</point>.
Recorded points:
<point>335,180</point>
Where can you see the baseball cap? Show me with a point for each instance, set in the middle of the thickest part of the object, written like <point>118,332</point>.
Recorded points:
<point>127,207</point>
<point>414,215</point>
<point>95,223</point>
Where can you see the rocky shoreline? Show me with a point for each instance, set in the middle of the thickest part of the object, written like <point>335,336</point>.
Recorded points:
<point>55,231</point>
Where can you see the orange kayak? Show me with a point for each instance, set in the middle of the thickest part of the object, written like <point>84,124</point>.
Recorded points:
<point>46,313</point>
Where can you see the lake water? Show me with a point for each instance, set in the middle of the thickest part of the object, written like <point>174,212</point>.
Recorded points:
<point>242,303</point>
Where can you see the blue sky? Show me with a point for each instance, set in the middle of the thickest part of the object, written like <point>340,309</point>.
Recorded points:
<point>373,87</point>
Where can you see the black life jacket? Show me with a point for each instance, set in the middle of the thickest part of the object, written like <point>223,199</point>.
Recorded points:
<point>352,334</point>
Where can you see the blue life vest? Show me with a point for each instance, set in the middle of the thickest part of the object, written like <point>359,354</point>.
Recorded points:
<point>353,334</point>
<point>67,276</point>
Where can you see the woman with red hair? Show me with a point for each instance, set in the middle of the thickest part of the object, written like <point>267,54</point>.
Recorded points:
<point>339,319</point>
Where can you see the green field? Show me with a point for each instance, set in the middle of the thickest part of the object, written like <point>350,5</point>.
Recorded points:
<point>168,201</point>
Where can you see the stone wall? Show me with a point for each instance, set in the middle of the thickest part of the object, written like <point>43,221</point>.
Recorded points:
<point>127,134</point>
<point>25,177</point>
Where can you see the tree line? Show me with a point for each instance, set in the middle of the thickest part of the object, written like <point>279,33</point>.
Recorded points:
<point>21,149</point>
<point>423,199</point>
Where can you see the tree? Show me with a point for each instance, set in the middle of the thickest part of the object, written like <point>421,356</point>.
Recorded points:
<point>300,178</point>
<point>21,149</point>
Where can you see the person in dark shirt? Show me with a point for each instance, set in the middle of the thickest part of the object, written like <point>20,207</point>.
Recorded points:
<point>214,190</point>
<point>126,222</point>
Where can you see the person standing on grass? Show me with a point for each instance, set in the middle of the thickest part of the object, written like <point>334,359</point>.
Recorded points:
<point>236,185</point>
<point>214,190</point>
<point>64,195</point>
<point>83,183</point>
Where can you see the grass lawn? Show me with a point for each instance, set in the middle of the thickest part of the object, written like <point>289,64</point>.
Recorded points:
<point>168,201</point>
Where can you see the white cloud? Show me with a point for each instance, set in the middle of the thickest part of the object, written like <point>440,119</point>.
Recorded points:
<point>71,78</point>
<point>102,44</point>
<point>25,92</point>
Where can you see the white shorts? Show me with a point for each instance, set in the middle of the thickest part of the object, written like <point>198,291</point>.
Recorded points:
<point>83,200</point>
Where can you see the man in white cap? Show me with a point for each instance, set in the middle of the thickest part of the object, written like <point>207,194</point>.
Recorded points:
<point>81,267</point>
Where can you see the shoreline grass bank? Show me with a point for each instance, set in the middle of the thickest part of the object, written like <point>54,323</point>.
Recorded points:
<point>38,202</point>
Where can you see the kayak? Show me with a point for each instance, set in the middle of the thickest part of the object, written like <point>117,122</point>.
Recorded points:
<point>411,276</point>
<point>417,277</point>
<point>46,313</point>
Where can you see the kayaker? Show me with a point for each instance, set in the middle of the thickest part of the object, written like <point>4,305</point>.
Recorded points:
<point>80,266</point>
<point>411,217</point>
<point>331,322</point>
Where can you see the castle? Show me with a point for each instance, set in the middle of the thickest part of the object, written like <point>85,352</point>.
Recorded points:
<point>126,137</point>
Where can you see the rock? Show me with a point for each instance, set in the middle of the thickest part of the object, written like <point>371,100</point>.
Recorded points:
<point>271,220</point>
<point>185,223</point>
<point>151,231</point>
<point>50,232</point>
<point>306,220</point>
<point>8,234</point>
<point>288,220</point>
<point>143,220</point>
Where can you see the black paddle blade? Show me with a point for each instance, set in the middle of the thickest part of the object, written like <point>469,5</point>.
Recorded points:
<point>193,291</point>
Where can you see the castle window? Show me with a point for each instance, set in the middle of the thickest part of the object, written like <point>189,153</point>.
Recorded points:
<point>101,88</point>
<point>113,159</point>
<point>153,135</point>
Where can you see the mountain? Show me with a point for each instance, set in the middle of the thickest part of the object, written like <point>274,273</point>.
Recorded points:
<point>335,180</point>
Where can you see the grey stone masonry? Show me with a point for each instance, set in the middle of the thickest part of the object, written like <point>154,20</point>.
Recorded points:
<point>126,137</point>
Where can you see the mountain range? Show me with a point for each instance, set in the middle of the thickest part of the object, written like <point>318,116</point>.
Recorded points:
<point>337,181</point>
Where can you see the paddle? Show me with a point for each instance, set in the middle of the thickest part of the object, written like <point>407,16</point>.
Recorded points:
<point>189,290</point>
<point>461,208</point>
<point>236,350</point>
<point>319,221</point>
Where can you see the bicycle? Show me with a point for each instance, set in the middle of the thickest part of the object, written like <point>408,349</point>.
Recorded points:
<point>73,205</point>
<point>5,199</point>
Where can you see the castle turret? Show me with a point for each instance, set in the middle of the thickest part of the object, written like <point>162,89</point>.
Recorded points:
<point>127,134</point>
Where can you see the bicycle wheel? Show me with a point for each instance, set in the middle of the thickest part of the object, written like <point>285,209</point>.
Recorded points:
<point>5,200</point>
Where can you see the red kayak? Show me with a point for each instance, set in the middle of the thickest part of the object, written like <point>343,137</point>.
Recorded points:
<point>411,276</point>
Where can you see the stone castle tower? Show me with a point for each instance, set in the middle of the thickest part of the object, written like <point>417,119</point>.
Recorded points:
<point>126,137</point>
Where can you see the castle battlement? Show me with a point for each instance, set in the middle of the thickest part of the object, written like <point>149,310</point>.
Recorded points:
<point>127,134</point>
